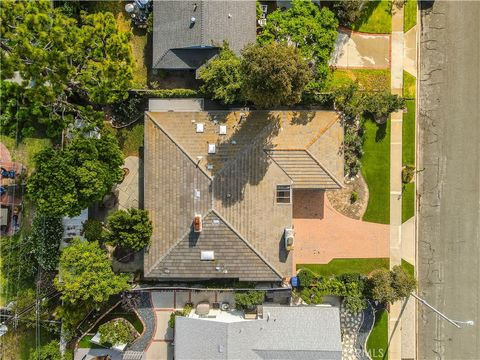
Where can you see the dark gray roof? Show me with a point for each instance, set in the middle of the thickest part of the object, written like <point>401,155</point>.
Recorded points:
<point>237,184</point>
<point>216,21</point>
<point>234,258</point>
<point>297,332</point>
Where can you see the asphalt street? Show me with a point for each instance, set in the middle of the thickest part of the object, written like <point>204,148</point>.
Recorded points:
<point>448,183</point>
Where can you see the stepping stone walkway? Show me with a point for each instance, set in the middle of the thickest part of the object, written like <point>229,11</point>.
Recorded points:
<point>355,329</point>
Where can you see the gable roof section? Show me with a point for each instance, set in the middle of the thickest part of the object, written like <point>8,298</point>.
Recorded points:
<point>234,258</point>
<point>215,21</point>
<point>304,170</point>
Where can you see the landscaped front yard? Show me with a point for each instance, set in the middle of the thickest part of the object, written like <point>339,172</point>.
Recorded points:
<point>377,343</point>
<point>376,171</point>
<point>376,18</point>
<point>344,266</point>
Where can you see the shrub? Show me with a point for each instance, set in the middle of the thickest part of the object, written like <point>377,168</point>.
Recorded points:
<point>92,230</point>
<point>407,174</point>
<point>118,331</point>
<point>129,229</point>
<point>403,282</point>
<point>249,299</point>
<point>390,286</point>
<point>184,312</point>
<point>170,93</point>
<point>354,197</point>
<point>352,148</point>
<point>306,277</point>
<point>45,238</point>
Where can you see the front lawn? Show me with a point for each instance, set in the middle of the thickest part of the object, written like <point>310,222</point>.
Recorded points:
<point>376,18</point>
<point>409,268</point>
<point>376,171</point>
<point>408,201</point>
<point>409,84</point>
<point>409,15</point>
<point>85,343</point>
<point>377,343</point>
<point>343,266</point>
<point>368,79</point>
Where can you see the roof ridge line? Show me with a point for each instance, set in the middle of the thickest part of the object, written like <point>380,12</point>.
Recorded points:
<point>180,239</point>
<point>180,147</point>
<point>247,243</point>
<point>323,131</point>
<point>324,169</point>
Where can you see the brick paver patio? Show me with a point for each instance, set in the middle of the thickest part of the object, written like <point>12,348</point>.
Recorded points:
<point>322,234</point>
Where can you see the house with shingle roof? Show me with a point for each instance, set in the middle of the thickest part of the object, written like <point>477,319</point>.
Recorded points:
<point>237,173</point>
<point>186,34</point>
<point>283,332</point>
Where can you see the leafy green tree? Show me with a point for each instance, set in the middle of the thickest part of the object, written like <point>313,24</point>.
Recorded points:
<point>50,351</point>
<point>45,238</point>
<point>221,77</point>
<point>348,11</point>
<point>67,181</point>
<point>273,74</point>
<point>129,229</point>
<point>403,282</point>
<point>381,104</point>
<point>380,284</point>
<point>62,65</point>
<point>86,275</point>
<point>115,332</point>
<point>307,27</point>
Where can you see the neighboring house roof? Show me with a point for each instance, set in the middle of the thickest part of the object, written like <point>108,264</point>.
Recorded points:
<point>236,186</point>
<point>179,43</point>
<point>296,332</point>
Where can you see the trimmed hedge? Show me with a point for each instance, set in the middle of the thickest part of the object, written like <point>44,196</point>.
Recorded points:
<point>169,93</point>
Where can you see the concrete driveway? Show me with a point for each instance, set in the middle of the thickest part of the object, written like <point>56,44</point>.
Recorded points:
<point>323,234</point>
<point>360,50</point>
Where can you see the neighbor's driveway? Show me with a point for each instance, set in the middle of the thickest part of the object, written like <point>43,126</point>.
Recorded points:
<point>322,234</point>
<point>361,50</point>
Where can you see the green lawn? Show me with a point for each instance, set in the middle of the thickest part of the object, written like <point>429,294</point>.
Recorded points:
<point>408,201</point>
<point>85,343</point>
<point>409,268</point>
<point>131,139</point>
<point>376,18</point>
<point>376,171</point>
<point>377,343</point>
<point>409,14</point>
<point>343,266</point>
<point>370,80</point>
<point>409,85</point>
<point>26,149</point>
<point>408,157</point>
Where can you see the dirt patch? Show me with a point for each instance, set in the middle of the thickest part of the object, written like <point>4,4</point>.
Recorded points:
<point>342,200</point>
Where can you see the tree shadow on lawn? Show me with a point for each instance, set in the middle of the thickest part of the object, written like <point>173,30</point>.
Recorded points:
<point>367,12</point>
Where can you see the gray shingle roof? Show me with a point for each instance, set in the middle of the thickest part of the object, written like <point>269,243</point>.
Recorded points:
<point>299,332</point>
<point>237,183</point>
<point>234,258</point>
<point>215,21</point>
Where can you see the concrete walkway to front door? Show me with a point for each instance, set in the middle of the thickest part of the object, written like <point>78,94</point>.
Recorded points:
<point>322,233</point>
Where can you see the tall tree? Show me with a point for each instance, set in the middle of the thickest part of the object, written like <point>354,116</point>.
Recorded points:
<point>67,181</point>
<point>221,77</point>
<point>307,27</point>
<point>61,65</point>
<point>348,11</point>
<point>273,74</point>
<point>45,238</point>
<point>130,229</point>
<point>86,275</point>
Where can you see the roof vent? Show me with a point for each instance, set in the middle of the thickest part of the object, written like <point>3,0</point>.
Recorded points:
<point>229,16</point>
<point>192,20</point>
<point>207,255</point>
<point>209,166</point>
<point>200,127</point>
<point>223,130</point>
<point>211,148</point>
